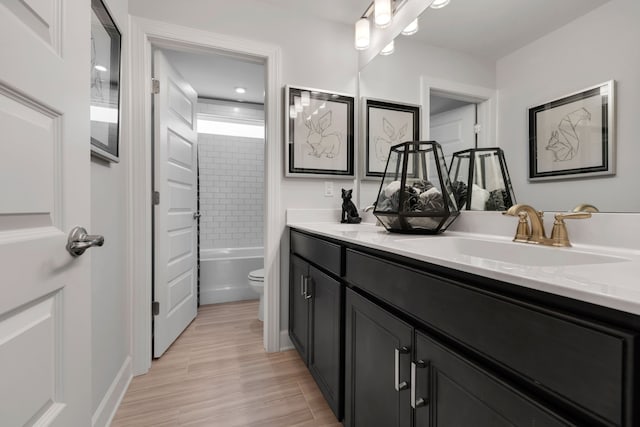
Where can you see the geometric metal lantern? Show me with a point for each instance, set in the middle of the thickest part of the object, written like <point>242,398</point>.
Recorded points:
<point>415,195</point>
<point>480,180</point>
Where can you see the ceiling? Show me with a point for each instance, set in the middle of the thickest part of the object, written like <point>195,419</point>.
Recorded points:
<point>217,75</point>
<point>494,28</point>
<point>342,11</point>
<point>487,28</point>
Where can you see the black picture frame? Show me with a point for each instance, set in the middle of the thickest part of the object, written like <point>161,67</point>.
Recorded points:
<point>573,137</point>
<point>106,48</point>
<point>387,124</point>
<point>319,133</point>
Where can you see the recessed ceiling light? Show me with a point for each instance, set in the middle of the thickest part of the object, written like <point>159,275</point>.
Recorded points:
<point>241,90</point>
<point>437,4</point>
<point>100,67</point>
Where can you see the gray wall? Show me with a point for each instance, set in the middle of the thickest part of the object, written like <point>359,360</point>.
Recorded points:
<point>111,323</point>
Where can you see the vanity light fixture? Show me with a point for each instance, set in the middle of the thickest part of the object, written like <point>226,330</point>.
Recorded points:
<point>411,29</point>
<point>100,67</point>
<point>388,49</point>
<point>439,4</point>
<point>297,102</point>
<point>362,34</point>
<point>382,13</point>
<point>241,90</point>
<point>305,98</point>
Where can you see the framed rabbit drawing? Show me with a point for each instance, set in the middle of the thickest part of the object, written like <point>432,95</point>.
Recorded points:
<point>319,133</point>
<point>387,124</point>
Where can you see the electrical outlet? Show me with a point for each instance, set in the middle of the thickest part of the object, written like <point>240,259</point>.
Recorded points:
<point>328,189</point>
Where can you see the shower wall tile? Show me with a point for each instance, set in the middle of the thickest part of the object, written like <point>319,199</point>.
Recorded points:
<point>231,191</point>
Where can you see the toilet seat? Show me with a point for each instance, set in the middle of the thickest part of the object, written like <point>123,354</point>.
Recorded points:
<point>257,275</point>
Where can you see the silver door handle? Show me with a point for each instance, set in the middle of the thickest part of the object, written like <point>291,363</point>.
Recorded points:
<point>196,215</point>
<point>399,385</point>
<point>416,403</point>
<point>307,295</point>
<point>79,241</point>
<point>302,281</point>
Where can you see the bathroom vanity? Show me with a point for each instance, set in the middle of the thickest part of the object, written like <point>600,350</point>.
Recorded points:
<point>409,331</point>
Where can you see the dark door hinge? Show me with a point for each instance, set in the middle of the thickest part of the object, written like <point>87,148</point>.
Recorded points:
<point>155,308</point>
<point>156,197</point>
<point>155,86</point>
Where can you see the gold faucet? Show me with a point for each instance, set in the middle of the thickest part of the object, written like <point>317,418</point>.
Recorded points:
<point>536,234</point>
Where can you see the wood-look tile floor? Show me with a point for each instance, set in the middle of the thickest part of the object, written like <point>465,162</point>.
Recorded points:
<point>217,374</point>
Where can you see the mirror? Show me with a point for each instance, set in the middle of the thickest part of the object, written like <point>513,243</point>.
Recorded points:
<point>500,58</point>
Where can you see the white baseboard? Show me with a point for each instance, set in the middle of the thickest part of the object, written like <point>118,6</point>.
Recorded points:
<point>109,405</point>
<point>217,296</point>
<point>285,342</point>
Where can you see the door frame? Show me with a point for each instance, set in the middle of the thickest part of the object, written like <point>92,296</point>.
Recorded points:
<point>146,34</point>
<point>484,97</point>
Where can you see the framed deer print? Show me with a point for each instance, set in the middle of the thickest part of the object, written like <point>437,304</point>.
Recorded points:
<point>387,124</point>
<point>318,133</point>
<point>573,136</point>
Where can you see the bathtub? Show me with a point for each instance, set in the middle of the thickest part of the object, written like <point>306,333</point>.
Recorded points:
<point>223,274</point>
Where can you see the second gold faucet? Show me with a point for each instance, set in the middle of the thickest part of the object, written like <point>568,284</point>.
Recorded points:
<point>536,233</point>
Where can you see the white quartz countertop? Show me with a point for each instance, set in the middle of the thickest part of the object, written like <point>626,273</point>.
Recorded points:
<point>606,276</point>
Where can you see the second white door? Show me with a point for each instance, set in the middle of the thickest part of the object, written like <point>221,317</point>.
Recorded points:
<point>175,223</point>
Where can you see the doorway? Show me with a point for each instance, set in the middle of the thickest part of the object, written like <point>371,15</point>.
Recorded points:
<point>146,35</point>
<point>208,179</point>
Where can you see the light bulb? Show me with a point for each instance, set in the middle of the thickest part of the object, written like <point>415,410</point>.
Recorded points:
<point>411,29</point>
<point>362,34</point>
<point>305,97</point>
<point>388,49</point>
<point>437,4</point>
<point>382,13</point>
<point>297,102</point>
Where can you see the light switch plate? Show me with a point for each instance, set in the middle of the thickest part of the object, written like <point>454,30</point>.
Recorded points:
<point>328,189</point>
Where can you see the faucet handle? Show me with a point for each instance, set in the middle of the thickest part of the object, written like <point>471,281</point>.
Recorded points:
<point>523,232</point>
<point>559,234</point>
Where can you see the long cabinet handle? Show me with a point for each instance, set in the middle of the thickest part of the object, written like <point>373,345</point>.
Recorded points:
<point>307,295</point>
<point>416,403</point>
<point>302,281</point>
<point>399,385</point>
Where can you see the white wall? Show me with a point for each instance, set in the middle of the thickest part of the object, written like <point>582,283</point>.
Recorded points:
<point>315,53</point>
<point>600,46</point>
<point>110,294</point>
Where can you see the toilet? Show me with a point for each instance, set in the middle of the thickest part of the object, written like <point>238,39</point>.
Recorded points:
<point>256,281</point>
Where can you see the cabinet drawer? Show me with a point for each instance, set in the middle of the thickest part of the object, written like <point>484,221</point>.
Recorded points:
<point>320,252</point>
<point>583,363</point>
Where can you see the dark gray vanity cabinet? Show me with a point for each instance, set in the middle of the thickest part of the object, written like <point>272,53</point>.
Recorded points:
<point>451,390</point>
<point>425,345</point>
<point>397,376</point>
<point>377,368</point>
<point>316,314</point>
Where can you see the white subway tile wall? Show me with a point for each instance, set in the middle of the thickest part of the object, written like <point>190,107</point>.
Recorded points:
<point>231,191</point>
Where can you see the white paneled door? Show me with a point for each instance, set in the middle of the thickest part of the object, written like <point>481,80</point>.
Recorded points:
<point>454,130</point>
<point>175,229</point>
<point>45,323</point>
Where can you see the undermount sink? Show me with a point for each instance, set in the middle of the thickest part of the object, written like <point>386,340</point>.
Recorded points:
<point>507,252</point>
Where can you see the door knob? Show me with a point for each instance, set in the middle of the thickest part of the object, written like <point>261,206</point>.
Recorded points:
<point>79,241</point>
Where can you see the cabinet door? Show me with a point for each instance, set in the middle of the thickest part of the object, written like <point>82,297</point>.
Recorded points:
<point>377,363</point>
<point>325,340</point>
<point>452,391</point>
<point>299,306</point>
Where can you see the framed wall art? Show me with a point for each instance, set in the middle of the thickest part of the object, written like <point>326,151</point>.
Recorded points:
<point>573,136</point>
<point>319,134</point>
<point>105,83</point>
<point>387,124</point>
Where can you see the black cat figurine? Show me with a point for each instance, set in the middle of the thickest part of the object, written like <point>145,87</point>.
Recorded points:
<point>349,210</point>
